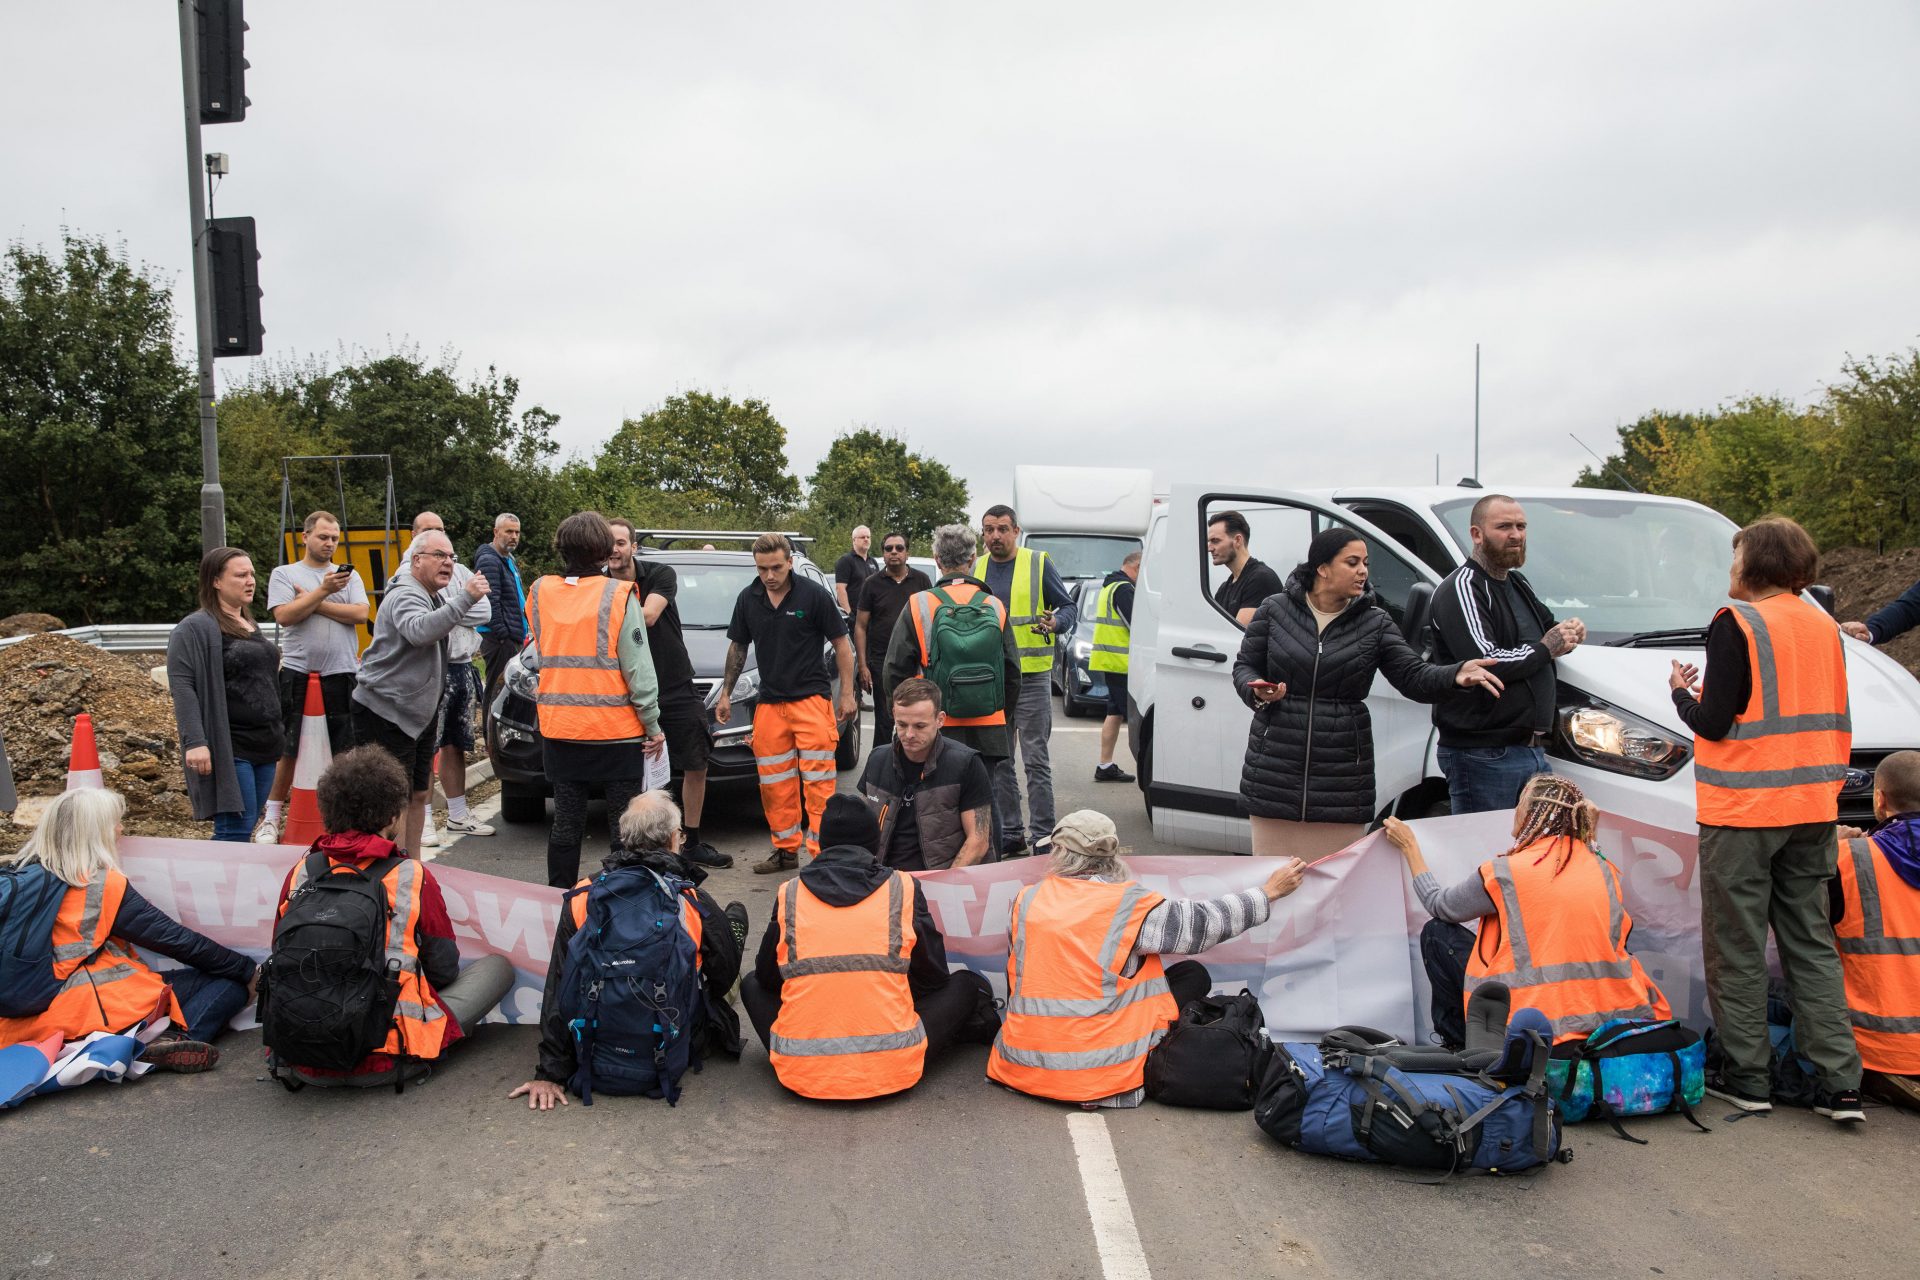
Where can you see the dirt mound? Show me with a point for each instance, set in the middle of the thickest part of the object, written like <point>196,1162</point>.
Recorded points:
<point>29,624</point>
<point>47,680</point>
<point>1863,582</point>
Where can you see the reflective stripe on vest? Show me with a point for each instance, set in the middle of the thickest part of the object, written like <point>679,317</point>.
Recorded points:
<point>1111,634</point>
<point>847,1027</point>
<point>582,693</point>
<point>1785,758</point>
<point>104,985</point>
<point>1076,1029</point>
<point>922,606</point>
<point>1878,936</point>
<point>1548,944</point>
<point>1025,604</point>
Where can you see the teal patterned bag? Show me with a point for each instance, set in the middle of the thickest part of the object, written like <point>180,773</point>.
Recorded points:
<point>1627,1068</point>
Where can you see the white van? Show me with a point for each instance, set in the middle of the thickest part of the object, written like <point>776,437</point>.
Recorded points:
<point>1644,573</point>
<point>1087,519</point>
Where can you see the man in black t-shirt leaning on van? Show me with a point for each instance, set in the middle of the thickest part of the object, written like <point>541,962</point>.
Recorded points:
<point>1490,746</point>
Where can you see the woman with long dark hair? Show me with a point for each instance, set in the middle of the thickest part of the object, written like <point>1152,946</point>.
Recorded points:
<point>1553,926</point>
<point>226,702</point>
<point>1305,666</point>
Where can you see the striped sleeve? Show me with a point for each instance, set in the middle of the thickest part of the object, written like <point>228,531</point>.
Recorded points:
<point>1477,624</point>
<point>1188,926</point>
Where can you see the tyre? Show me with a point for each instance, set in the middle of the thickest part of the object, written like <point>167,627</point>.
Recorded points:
<point>517,805</point>
<point>847,754</point>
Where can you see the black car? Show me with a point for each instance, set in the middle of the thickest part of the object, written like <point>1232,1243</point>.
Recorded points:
<point>710,582</point>
<point>1083,691</point>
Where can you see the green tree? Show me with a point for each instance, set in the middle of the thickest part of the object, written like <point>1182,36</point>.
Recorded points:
<point>101,439</point>
<point>1635,461</point>
<point>713,458</point>
<point>1861,481</point>
<point>871,478</point>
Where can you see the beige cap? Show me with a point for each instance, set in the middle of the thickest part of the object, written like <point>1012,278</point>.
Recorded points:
<point>1088,831</point>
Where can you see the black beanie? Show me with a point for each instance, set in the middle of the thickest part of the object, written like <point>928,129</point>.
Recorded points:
<point>849,820</point>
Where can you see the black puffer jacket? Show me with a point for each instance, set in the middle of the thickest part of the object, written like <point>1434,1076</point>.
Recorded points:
<point>1310,755</point>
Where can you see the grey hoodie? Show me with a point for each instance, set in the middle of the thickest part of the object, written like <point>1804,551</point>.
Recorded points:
<point>402,670</point>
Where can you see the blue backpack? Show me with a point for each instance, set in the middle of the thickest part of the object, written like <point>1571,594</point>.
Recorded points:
<point>630,989</point>
<point>30,898</point>
<point>1627,1068</point>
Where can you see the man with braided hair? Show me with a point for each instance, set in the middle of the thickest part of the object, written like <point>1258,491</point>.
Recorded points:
<point>1552,923</point>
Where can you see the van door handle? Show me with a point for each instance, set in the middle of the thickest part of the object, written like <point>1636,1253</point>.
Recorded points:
<point>1205,655</point>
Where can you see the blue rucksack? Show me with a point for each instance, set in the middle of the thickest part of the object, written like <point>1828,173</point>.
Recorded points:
<point>1628,1068</point>
<point>630,989</point>
<point>30,898</point>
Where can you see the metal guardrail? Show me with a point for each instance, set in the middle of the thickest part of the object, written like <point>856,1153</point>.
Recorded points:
<point>131,637</point>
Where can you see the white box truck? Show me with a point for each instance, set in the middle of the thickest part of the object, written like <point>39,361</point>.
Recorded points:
<point>1087,519</point>
<point>1646,575</point>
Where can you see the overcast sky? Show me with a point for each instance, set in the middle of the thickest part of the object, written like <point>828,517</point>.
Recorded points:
<point>1254,240</point>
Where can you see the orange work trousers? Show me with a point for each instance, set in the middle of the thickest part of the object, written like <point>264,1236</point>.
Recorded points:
<point>793,744</point>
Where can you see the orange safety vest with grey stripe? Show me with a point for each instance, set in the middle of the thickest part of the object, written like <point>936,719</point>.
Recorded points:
<point>104,985</point>
<point>582,694</point>
<point>1879,941</point>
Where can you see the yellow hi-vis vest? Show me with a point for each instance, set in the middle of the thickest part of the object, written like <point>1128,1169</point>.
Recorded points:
<point>1110,632</point>
<point>1025,603</point>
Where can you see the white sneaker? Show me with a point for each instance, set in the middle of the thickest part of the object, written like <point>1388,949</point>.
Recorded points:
<point>429,838</point>
<point>468,827</point>
<point>268,832</point>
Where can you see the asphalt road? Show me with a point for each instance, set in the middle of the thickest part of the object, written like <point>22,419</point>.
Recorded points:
<point>225,1174</point>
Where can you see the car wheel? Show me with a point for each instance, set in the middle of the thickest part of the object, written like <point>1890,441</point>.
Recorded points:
<point>847,754</point>
<point>522,806</point>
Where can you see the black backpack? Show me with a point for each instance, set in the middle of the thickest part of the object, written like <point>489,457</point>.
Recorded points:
<point>1215,1055</point>
<point>30,898</point>
<point>328,991</point>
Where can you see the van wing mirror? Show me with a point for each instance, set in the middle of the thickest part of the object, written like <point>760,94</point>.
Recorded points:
<point>1419,610</point>
<point>1823,596</point>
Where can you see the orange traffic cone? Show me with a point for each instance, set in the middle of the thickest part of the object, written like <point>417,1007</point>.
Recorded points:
<point>83,766</point>
<point>315,753</point>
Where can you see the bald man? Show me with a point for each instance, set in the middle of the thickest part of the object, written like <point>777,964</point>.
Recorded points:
<point>854,568</point>
<point>462,694</point>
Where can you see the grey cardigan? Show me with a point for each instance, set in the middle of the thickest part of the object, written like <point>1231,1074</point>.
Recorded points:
<point>197,678</point>
<point>402,670</point>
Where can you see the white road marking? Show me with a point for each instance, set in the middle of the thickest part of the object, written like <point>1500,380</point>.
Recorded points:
<point>485,811</point>
<point>1114,1232</point>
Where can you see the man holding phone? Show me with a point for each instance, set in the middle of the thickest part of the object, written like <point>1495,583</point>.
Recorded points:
<point>318,606</point>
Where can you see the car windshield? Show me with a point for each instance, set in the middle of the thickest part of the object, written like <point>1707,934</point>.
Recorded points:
<point>707,593</point>
<point>1084,555</point>
<point>1623,567</point>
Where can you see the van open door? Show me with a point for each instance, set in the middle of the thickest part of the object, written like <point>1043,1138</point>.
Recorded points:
<point>1191,734</point>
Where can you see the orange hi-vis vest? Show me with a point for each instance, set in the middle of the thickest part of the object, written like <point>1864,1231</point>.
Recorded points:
<point>1785,759</point>
<point>1879,941</point>
<point>689,915</point>
<point>1077,1028</point>
<point>582,694</point>
<point>847,1027</point>
<point>104,985</point>
<point>923,605</point>
<point>1559,942</point>
<point>419,1023</point>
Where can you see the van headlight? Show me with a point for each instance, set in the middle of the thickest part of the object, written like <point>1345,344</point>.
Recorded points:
<point>746,686</point>
<point>522,677</point>
<point>1082,650</point>
<point>1618,741</point>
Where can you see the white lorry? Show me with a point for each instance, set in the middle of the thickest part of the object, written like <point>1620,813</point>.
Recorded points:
<point>1644,573</point>
<point>1087,519</point>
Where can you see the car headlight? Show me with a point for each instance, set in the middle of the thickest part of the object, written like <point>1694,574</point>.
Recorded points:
<point>1082,650</point>
<point>1618,741</point>
<point>747,686</point>
<point>523,674</point>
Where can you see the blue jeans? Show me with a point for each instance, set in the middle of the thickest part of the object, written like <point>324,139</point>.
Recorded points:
<point>256,780</point>
<point>1480,779</point>
<point>208,1002</point>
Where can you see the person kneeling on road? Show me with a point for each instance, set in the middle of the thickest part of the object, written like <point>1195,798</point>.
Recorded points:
<point>1874,904</point>
<point>104,985</point>
<point>653,847</point>
<point>850,993</point>
<point>363,797</point>
<point>1087,996</point>
<point>1552,925</point>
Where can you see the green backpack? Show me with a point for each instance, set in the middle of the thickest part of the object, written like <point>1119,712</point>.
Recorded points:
<point>965,657</point>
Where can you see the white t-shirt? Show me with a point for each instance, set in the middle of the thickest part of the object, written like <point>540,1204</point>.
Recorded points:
<point>317,644</point>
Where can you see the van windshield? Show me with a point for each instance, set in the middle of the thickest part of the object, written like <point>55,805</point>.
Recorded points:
<point>1084,555</point>
<point>1623,567</point>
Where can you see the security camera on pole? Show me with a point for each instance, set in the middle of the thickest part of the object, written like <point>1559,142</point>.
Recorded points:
<point>226,287</point>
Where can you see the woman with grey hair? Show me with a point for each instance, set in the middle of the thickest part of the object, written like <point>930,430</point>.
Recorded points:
<point>1087,995</point>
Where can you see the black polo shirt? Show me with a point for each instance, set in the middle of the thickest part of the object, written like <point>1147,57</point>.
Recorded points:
<point>851,571</point>
<point>884,600</point>
<point>1255,583</point>
<point>788,640</point>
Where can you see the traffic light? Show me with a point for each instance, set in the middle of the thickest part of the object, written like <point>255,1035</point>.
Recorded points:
<point>234,262</point>
<point>223,66</point>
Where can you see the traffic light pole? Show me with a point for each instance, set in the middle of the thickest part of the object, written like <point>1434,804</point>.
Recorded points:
<point>213,500</point>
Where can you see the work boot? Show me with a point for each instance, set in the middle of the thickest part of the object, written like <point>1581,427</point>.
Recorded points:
<point>776,862</point>
<point>177,1053</point>
<point>706,855</point>
<point>1111,773</point>
<point>736,914</point>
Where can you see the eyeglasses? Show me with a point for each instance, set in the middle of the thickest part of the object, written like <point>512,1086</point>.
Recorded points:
<point>895,547</point>
<point>435,555</point>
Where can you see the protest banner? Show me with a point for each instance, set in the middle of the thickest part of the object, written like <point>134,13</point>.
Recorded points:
<point>1342,949</point>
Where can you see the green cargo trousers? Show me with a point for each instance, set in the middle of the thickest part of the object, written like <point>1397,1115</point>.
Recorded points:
<point>1751,877</point>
